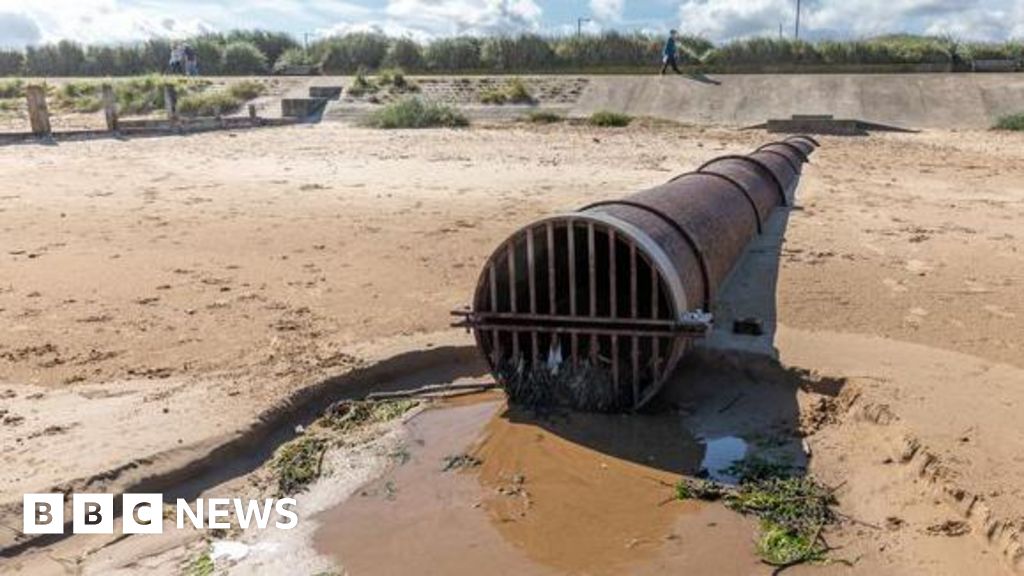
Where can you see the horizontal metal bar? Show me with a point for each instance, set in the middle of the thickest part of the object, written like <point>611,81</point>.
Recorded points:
<point>588,331</point>
<point>662,326</point>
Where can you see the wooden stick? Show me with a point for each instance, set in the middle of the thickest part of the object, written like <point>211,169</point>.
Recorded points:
<point>38,114</point>
<point>110,107</point>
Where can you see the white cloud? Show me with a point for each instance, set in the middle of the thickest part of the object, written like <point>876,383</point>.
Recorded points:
<point>17,30</point>
<point>607,10</point>
<point>972,19</point>
<point>444,17</point>
<point>101,21</point>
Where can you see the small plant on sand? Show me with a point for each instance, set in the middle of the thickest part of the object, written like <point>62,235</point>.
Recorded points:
<point>607,119</point>
<point>542,117</point>
<point>396,80</point>
<point>245,90</point>
<point>202,565</point>
<point>10,105</point>
<point>513,92</point>
<point>417,113</point>
<point>1013,122</point>
<point>298,463</point>
<point>793,510</point>
<point>350,414</point>
<point>361,85</point>
<point>459,462</point>
<point>216,103</point>
<point>12,88</point>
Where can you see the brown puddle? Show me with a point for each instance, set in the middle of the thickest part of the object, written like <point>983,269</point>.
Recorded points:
<point>577,494</point>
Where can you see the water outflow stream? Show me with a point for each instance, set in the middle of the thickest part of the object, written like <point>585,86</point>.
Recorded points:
<point>564,493</point>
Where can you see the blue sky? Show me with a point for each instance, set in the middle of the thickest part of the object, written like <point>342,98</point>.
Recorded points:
<point>34,21</point>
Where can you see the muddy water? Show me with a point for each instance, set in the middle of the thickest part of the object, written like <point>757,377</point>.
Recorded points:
<point>578,494</point>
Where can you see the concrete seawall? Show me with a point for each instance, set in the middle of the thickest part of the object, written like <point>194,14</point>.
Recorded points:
<point>905,100</point>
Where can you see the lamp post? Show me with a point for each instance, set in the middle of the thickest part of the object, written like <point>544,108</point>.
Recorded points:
<point>579,26</point>
<point>797,32</point>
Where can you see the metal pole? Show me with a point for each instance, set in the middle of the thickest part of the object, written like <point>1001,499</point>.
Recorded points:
<point>579,26</point>
<point>797,19</point>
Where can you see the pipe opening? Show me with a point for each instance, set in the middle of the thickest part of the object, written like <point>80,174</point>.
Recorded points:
<point>568,298</point>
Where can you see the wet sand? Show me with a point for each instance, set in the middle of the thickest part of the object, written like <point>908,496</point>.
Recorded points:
<point>538,503</point>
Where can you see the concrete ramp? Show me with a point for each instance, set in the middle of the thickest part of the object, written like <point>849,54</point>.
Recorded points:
<point>964,101</point>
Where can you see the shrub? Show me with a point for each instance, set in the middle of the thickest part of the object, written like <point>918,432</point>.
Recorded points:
<point>395,78</point>
<point>415,113</point>
<point>12,63</point>
<point>361,85</point>
<point>1013,122</point>
<point>271,44</point>
<point>514,92</point>
<point>242,58</point>
<point>209,55</point>
<point>405,53</point>
<point>247,89</point>
<point>542,117</point>
<point>348,53</point>
<point>78,96</point>
<point>216,103</point>
<point>144,94</point>
<point>12,88</point>
<point>610,119</point>
<point>294,57</point>
<point>524,52</point>
<point>460,53</point>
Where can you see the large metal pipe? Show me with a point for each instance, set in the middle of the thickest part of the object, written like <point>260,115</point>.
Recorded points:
<point>601,303</point>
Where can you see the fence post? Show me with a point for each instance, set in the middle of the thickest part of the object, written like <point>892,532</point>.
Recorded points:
<point>110,107</point>
<point>38,115</point>
<point>171,102</point>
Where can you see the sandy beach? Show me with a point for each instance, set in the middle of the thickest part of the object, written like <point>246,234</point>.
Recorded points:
<point>158,295</point>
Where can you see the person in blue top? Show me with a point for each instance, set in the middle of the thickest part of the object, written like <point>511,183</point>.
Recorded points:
<point>669,55</point>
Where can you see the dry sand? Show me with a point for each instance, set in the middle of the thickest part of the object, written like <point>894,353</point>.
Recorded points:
<point>157,295</point>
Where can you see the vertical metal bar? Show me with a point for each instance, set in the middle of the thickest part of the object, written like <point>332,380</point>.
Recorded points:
<point>553,300</point>
<point>655,341</point>
<point>572,286</point>
<point>512,294</point>
<point>634,298</point>
<point>531,266</point>
<point>613,305</point>
<point>592,267</point>
<point>492,274</point>
<point>615,365</point>
<point>512,274</point>
<point>493,278</point>
<point>572,268</point>
<point>592,284</point>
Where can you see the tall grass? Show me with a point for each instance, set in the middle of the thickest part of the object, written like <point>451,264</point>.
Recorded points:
<point>12,88</point>
<point>414,112</point>
<point>249,52</point>
<point>1014,122</point>
<point>606,119</point>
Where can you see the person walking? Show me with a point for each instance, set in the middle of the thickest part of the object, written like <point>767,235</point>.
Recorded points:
<point>670,54</point>
<point>191,61</point>
<point>177,62</point>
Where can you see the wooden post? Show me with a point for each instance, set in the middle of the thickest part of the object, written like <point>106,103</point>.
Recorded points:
<point>38,115</point>
<point>171,102</point>
<point>110,107</point>
<point>252,112</point>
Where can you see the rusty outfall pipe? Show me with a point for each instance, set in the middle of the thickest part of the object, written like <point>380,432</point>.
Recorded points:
<point>612,295</point>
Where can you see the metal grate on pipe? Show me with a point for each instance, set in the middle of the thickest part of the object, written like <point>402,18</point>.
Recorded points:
<point>595,308</point>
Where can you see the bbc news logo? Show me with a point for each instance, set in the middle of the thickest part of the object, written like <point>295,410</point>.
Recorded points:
<point>144,513</point>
